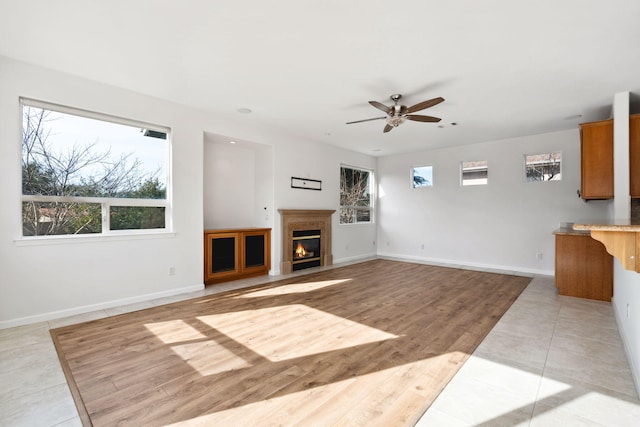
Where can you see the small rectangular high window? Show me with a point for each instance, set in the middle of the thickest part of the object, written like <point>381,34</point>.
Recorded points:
<point>474,173</point>
<point>543,167</point>
<point>422,176</point>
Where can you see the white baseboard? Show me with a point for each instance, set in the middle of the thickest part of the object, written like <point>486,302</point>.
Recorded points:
<point>93,307</point>
<point>491,268</point>
<point>635,370</point>
<point>354,259</point>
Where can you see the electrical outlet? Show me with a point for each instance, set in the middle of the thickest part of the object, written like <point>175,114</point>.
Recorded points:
<point>172,271</point>
<point>422,246</point>
<point>539,256</point>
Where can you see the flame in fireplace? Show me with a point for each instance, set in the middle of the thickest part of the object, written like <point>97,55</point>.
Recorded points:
<point>300,252</point>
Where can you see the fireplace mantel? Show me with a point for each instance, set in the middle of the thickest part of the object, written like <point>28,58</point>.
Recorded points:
<point>305,219</point>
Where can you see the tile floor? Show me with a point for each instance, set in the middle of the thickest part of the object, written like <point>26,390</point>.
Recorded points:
<point>549,361</point>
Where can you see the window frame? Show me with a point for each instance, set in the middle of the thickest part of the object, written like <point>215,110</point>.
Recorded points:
<point>105,202</point>
<point>370,208</point>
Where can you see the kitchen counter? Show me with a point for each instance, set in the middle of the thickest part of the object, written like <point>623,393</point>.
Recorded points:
<point>568,230</point>
<point>620,237</point>
<point>628,225</point>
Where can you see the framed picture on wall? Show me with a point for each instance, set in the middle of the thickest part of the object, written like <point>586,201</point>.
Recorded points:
<point>306,183</point>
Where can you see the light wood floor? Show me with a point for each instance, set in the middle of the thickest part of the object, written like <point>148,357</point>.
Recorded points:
<point>368,344</point>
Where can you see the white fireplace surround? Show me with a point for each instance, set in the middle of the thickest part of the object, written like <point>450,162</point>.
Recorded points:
<point>301,220</point>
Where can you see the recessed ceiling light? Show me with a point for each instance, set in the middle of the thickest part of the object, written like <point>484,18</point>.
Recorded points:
<point>446,125</point>
<point>232,142</point>
<point>574,117</point>
<point>377,149</point>
<point>327,133</point>
<point>244,110</point>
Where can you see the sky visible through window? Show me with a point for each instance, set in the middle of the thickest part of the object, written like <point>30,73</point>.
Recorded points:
<point>66,130</point>
<point>422,176</point>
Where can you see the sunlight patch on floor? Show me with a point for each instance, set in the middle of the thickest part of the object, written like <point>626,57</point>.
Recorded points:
<point>174,331</point>
<point>294,288</point>
<point>284,332</point>
<point>199,356</point>
<point>278,410</point>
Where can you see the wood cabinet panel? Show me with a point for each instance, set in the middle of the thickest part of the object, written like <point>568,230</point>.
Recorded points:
<point>233,254</point>
<point>583,268</point>
<point>634,155</point>
<point>596,156</point>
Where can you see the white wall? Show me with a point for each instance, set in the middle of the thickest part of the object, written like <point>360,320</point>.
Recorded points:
<point>46,280</point>
<point>502,225</point>
<point>269,171</point>
<point>263,214</point>
<point>319,161</point>
<point>238,183</point>
<point>41,281</point>
<point>229,185</point>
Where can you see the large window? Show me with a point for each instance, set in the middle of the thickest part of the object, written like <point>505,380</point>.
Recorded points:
<point>356,195</point>
<point>85,173</point>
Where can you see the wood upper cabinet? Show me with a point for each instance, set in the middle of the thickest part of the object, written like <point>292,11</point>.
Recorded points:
<point>596,154</point>
<point>634,155</point>
<point>596,160</point>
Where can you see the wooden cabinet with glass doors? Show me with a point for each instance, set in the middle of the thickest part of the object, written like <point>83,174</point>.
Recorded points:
<point>232,254</point>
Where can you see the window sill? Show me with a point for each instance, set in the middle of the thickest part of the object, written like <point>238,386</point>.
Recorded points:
<point>66,240</point>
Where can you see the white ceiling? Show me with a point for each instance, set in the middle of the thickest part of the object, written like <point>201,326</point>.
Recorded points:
<point>505,68</point>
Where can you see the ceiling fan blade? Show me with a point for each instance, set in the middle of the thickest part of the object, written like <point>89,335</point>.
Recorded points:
<point>387,128</point>
<point>417,118</point>
<point>380,106</point>
<point>424,104</point>
<point>367,120</point>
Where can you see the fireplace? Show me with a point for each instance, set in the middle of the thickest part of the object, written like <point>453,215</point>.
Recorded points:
<point>306,249</point>
<point>306,239</point>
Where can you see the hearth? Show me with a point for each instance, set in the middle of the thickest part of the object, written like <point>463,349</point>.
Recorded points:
<point>310,228</point>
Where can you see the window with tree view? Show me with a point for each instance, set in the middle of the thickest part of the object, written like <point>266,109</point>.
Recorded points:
<point>543,167</point>
<point>356,195</point>
<point>85,173</point>
<point>422,176</point>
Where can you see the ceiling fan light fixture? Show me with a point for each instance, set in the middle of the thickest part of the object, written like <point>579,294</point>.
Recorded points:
<point>397,114</point>
<point>395,121</point>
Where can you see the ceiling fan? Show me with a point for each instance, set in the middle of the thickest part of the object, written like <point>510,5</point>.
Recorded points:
<point>397,114</point>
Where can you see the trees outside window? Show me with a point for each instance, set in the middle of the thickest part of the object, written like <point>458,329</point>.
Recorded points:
<point>356,195</point>
<point>83,173</point>
<point>543,167</point>
<point>422,176</point>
